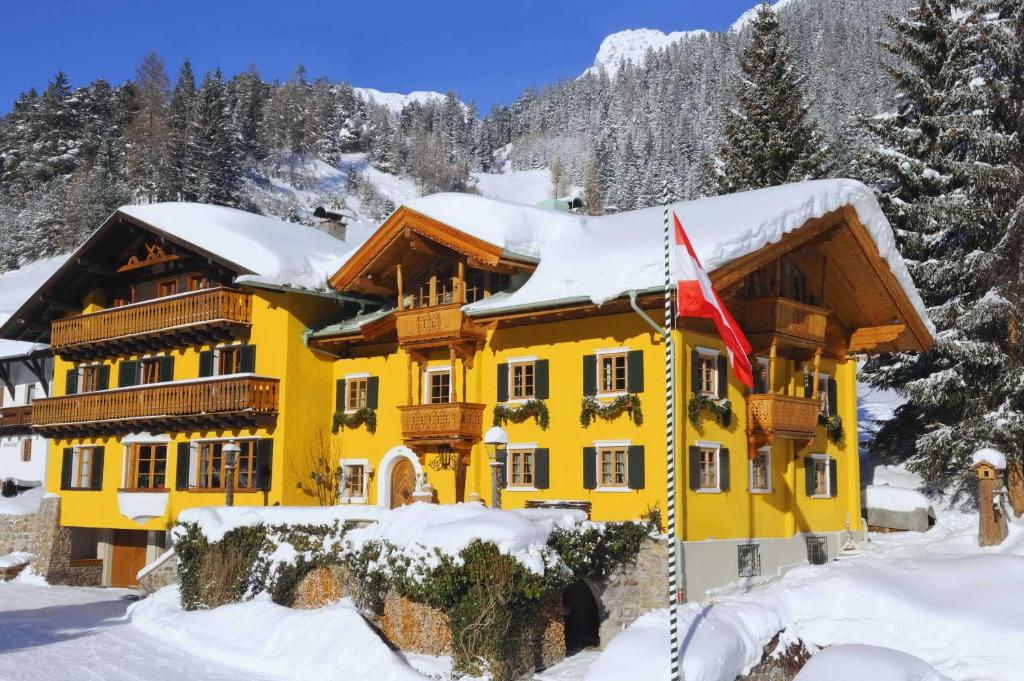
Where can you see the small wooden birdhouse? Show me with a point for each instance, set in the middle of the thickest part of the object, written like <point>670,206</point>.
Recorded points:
<point>985,470</point>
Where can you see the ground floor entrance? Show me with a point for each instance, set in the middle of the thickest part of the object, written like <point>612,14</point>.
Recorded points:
<point>127,557</point>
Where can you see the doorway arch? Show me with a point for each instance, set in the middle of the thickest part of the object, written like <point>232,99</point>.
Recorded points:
<point>397,454</point>
<point>582,617</point>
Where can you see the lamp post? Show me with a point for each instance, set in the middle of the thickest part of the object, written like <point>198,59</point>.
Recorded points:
<point>230,451</point>
<point>496,440</point>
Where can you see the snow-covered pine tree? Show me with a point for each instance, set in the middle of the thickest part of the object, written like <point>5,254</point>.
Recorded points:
<point>769,137</point>
<point>180,128</point>
<point>944,167</point>
<point>215,171</point>
<point>146,138</point>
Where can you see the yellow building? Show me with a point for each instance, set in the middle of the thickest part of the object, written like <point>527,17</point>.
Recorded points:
<point>179,328</point>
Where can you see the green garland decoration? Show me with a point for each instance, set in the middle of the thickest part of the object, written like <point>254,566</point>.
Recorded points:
<point>538,409</point>
<point>592,409</point>
<point>355,419</point>
<point>833,426</point>
<point>721,409</point>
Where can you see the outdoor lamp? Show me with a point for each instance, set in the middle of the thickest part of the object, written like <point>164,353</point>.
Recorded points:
<point>496,440</point>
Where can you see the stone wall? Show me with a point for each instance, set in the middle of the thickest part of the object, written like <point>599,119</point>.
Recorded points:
<point>17,533</point>
<point>41,535</point>
<point>633,590</point>
<point>163,574</point>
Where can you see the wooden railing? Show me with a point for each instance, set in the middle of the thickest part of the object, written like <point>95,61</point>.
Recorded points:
<point>782,416</point>
<point>221,395</point>
<point>787,317</point>
<point>187,309</point>
<point>16,419</point>
<point>456,420</point>
<point>442,323</point>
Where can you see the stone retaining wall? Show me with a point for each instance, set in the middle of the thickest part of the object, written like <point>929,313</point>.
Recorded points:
<point>17,533</point>
<point>41,535</point>
<point>632,590</point>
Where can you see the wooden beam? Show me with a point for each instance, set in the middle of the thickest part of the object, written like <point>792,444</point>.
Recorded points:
<point>868,337</point>
<point>366,283</point>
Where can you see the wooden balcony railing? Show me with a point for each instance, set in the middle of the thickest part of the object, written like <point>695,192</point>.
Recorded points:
<point>221,401</point>
<point>788,318</point>
<point>774,415</point>
<point>436,422</point>
<point>194,317</point>
<point>438,325</point>
<point>16,420</point>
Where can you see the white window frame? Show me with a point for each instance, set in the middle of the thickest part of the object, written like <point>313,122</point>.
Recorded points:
<point>767,450</point>
<point>361,375</point>
<point>80,372</point>
<point>367,472</point>
<point>512,361</point>
<point>623,350</point>
<point>520,447</point>
<point>712,354</point>
<point>767,364</point>
<point>216,356</point>
<point>76,464</point>
<point>823,393</point>
<point>717,446</point>
<point>129,441</point>
<point>426,383</point>
<point>605,444</point>
<point>828,475</point>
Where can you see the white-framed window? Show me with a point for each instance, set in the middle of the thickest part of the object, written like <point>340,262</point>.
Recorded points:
<point>227,359</point>
<point>521,462</point>
<point>81,468</point>
<point>356,392</point>
<point>761,471</point>
<point>522,379</point>
<point>709,469</point>
<point>355,480</point>
<point>822,481</point>
<point>89,377</point>
<point>762,376</point>
<point>612,465</point>
<point>208,466</point>
<point>707,372</point>
<point>826,408</point>
<point>437,385</point>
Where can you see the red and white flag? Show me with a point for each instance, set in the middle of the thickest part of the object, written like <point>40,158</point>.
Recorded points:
<point>697,298</point>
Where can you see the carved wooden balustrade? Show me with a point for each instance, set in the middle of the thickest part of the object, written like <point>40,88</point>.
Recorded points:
<point>787,320</point>
<point>190,318</point>
<point>440,422</point>
<point>438,325</point>
<point>16,420</point>
<point>223,401</point>
<point>773,415</point>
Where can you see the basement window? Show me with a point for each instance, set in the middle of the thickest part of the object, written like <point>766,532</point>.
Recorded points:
<point>748,560</point>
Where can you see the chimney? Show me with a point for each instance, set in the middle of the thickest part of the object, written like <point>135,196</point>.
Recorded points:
<point>332,222</point>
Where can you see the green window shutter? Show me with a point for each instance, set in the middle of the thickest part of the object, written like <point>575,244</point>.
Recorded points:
<point>264,463</point>
<point>808,386</point>
<point>723,377</point>
<point>833,478</point>
<point>127,374</point>
<point>502,459</point>
<point>339,395</point>
<point>635,467</point>
<point>96,479</point>
<point>694,372</point>
<point>205,363</point>
<point>71,382</point>
<point>372,391</point>
<point>635,371</point>
<point>103,377</point>
<point>695,468</point>
<point>182,466</point>
<point>809,476</point>
<point>502,382</point>
<point>589,375</point>
<point>589,468</point>
<point>166,368</point>
<point>723,469</point>
<point>541,468</point>
<point>832,395</point>
<point>247,359</point>
<point>67,463</point>
<point>541,380</point>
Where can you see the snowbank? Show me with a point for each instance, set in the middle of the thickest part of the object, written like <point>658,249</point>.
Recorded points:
<point>22,504</point>
<point>992,457</point>
<point>450,528</point>
<point>14,558</point>
<point>328,644</point>
<point>897,476</point>
<point>216,521</point>
<point>896,499</point>
<point>857,663</point>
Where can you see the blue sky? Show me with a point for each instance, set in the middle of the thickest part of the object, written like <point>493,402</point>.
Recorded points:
<point>485,51</point>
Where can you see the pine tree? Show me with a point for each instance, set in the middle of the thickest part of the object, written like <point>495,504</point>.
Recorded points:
<point>146,139</point>
<point>216,171</point>
<point>180,128</point>
<point>944,165</point>
<point>770,138</point>
<point>593,192</point>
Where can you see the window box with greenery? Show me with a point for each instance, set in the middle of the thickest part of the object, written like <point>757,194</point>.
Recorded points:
<point>615,375</point>
<point>828,396</point>
<point>355,402</point>
<point>709,387</point>
<point>523,387</point>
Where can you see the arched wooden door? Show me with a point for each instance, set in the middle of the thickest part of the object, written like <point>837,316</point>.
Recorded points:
<point>403,482</point>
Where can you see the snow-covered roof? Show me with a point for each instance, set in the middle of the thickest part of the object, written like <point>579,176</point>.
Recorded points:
<point>266,250</point>
<point>992,457</point>
<point>596,259</point>
<point>16,287</point>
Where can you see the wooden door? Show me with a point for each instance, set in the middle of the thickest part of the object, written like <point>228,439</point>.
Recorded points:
<point>403,483</point>
<point>129,556</point>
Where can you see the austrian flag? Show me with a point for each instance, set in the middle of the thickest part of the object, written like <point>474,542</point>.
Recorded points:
<point>696,298</point>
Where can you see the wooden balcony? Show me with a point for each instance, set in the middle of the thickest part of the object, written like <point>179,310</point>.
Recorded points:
<point>789,323</point>
<point>438,423</point>
<point>770,416</point>
<point>16,420</point>
<point>214,403</point>
<point>184,320</point>
<point>436,326</point>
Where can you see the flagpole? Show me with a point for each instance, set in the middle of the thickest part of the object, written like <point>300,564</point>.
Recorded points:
<point>670,454</point>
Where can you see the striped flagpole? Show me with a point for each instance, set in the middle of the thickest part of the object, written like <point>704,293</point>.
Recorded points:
<point>670,452</point>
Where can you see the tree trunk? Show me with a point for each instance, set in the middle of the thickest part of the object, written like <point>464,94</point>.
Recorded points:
<point>1015,486</point>
<point>991,527</point>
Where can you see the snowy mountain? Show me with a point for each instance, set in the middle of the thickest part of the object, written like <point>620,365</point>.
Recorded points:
<point>632,47</point>
<point>396,101</point>
<point>747,17</point>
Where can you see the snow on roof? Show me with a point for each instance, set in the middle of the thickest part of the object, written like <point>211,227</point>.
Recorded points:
<point>599,258</point>
<point>16,287</point>
<point>271,251</point>
<point>992,457</point>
